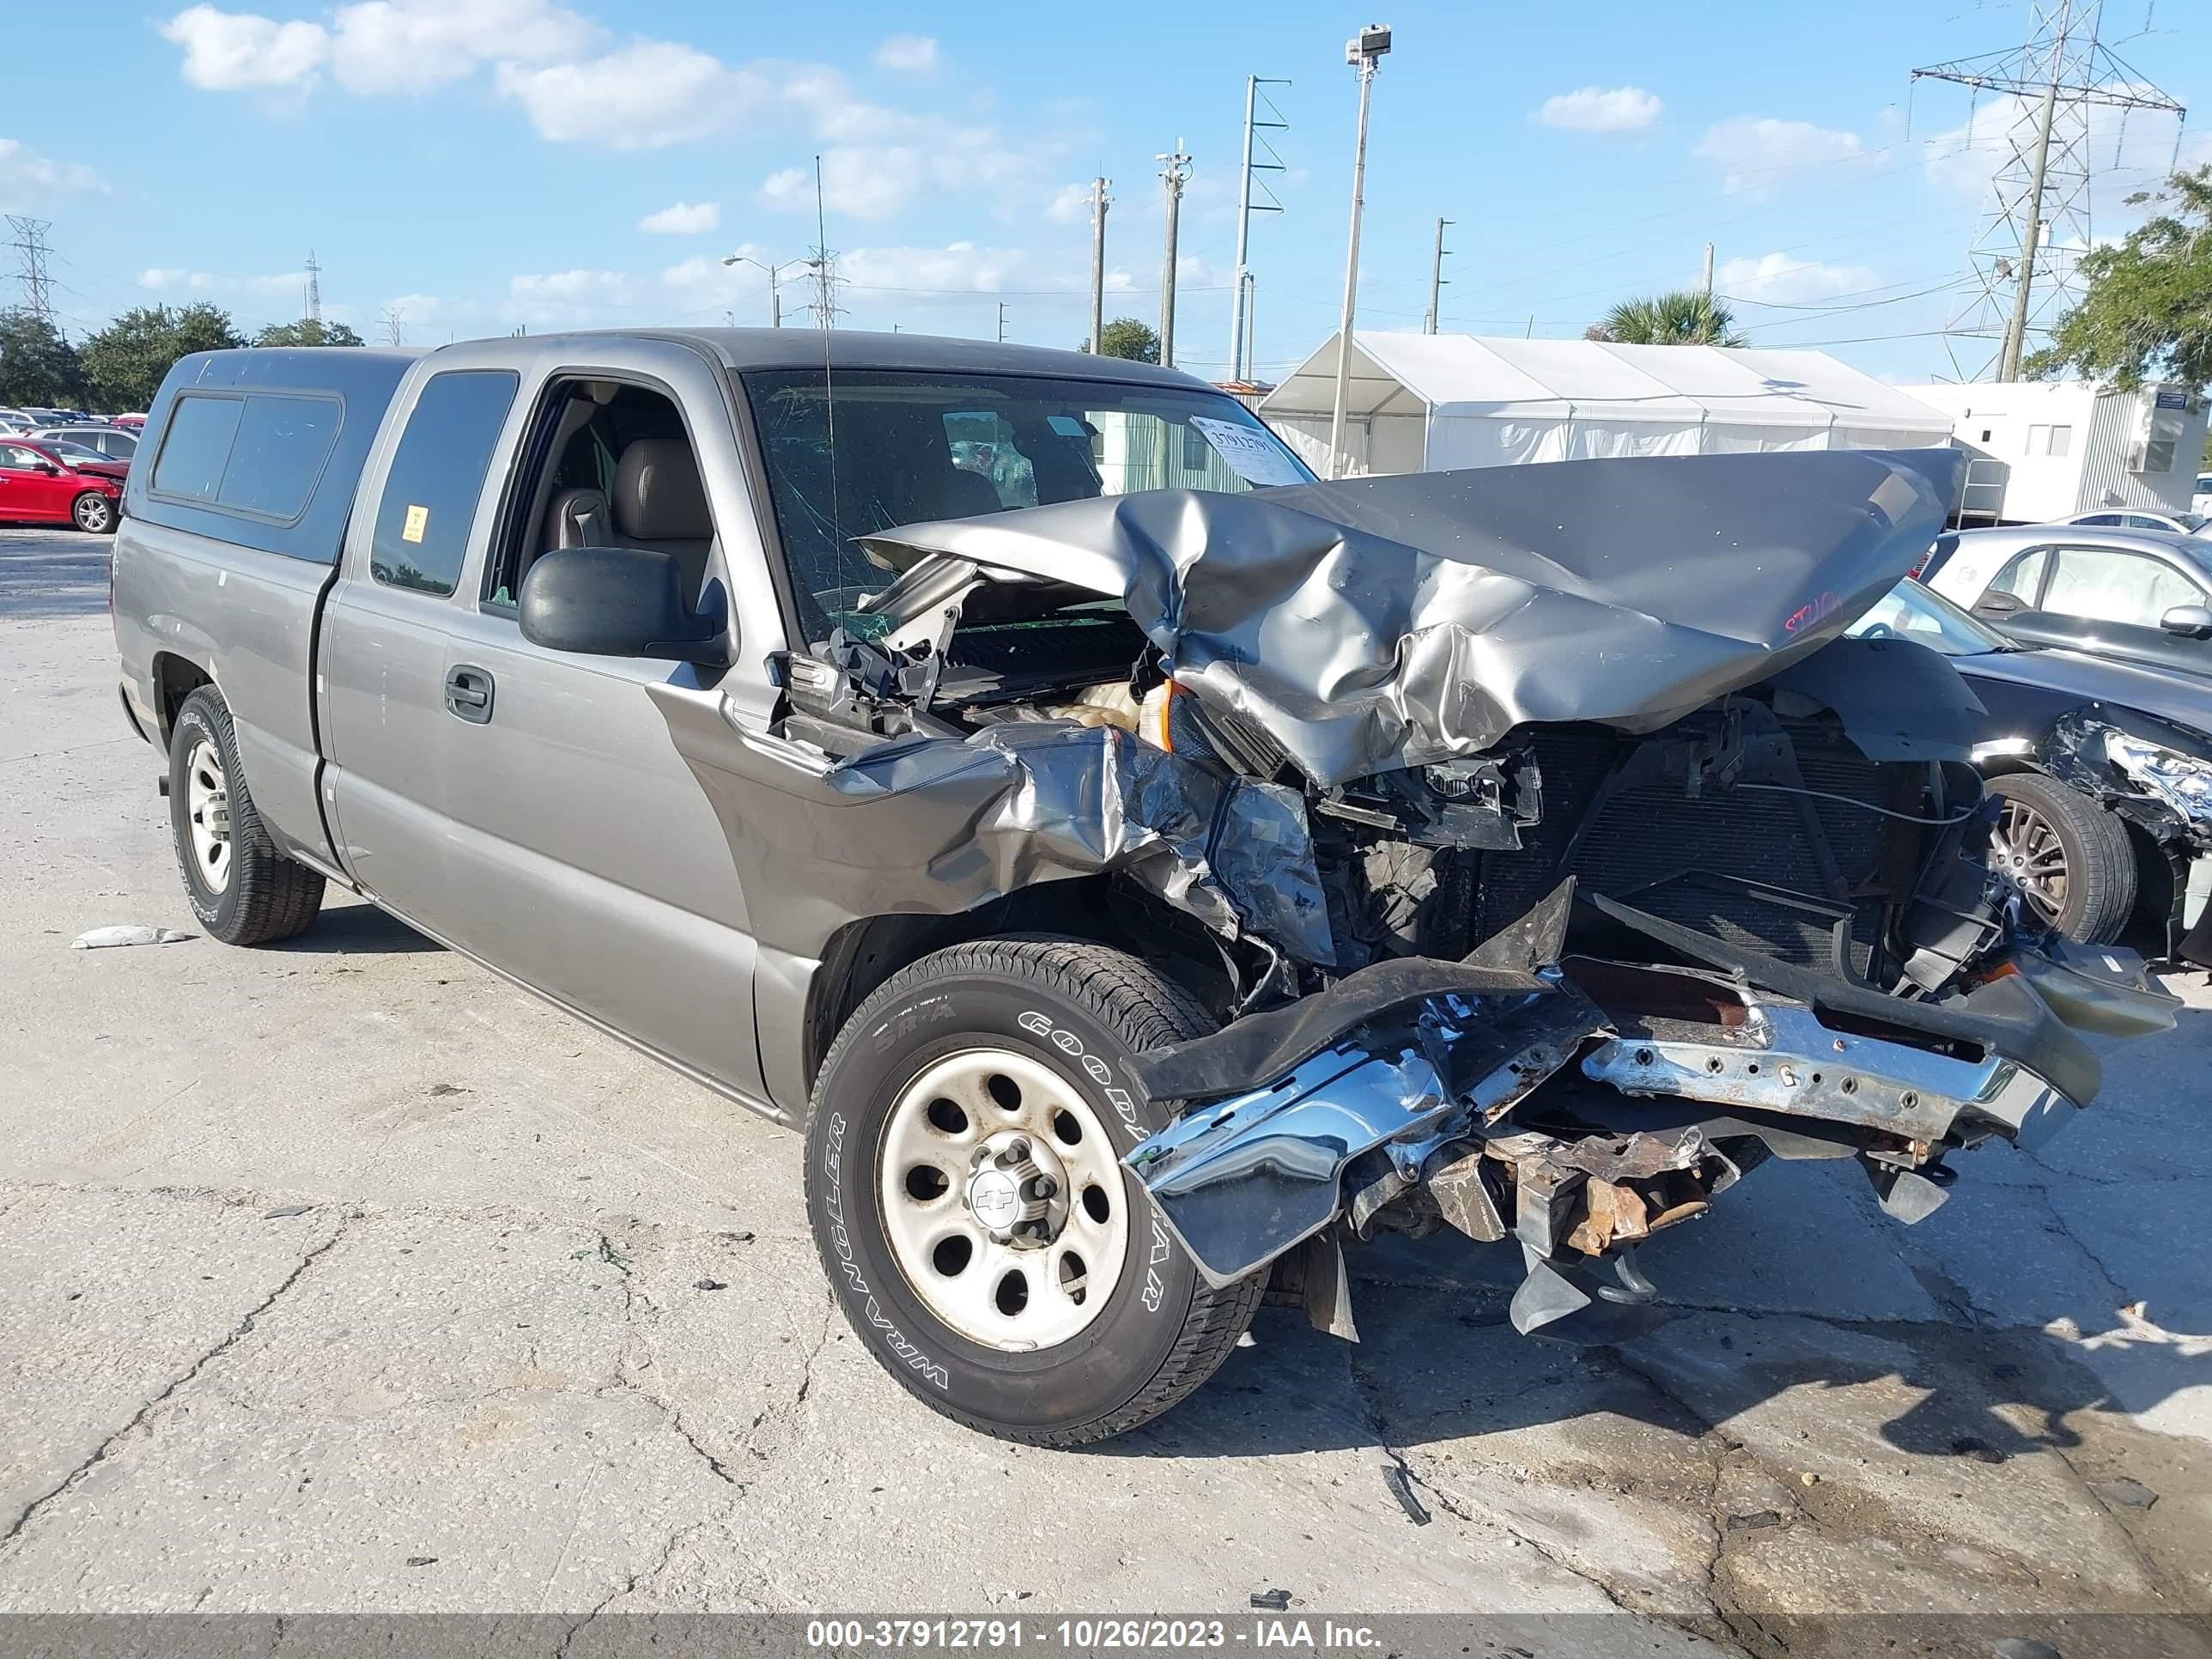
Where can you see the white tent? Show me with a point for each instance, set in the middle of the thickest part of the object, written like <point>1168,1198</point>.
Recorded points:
<point>1432,402</point>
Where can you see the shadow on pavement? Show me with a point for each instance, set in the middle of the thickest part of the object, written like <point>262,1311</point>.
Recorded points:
<point>357,928</point>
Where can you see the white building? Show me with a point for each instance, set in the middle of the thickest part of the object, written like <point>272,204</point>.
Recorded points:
<point>2049,449</point>
<point>1433,401</point>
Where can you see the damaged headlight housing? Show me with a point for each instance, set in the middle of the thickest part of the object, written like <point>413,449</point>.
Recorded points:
<point>2183,782</point>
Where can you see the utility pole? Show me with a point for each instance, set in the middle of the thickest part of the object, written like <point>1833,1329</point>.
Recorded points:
<point>1436,279</point>
<point>2041,189</point>
<point>1240,303</point>
<point>2016,334</point>
<point>1709,270</point>
<point>1099,202</point>
<point>314,289</point>
<point>31,243</point>
<point>1363,51</point>
<point>1002,322</point>
<point>1175,173</point>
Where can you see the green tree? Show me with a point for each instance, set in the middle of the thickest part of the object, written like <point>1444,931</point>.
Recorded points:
<point>37,365</point>
<point>1125,336</point>
<point>1684,317</point>
<point>2146,308</point>
<point>306,333</point>
<point>125,361</point>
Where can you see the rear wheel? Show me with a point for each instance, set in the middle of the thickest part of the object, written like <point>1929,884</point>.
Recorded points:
<point>93,512</point>
<point>243,890</point>
<point>2069,857</point>
<point>964,1183</point>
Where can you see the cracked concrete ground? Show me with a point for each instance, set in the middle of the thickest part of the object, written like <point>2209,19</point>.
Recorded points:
<point>343,1276</point>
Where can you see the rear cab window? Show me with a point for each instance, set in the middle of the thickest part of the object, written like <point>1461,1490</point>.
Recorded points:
<point>260,454</point>
<point>437,477</point>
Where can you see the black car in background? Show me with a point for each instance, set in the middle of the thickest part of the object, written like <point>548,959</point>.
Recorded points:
<point>2103,769</point>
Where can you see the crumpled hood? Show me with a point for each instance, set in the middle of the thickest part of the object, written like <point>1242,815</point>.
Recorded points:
<point>1374,623</point>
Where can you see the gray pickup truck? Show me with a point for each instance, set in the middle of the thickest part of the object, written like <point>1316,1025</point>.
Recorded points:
<point>1141,870</point>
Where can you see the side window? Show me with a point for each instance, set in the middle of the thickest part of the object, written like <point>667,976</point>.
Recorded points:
<point>277,453</point>
<point>437,477</point>
<point>16,460</point>
<point>2023,577</point>
<point>2108,519</point>
<point>196,447</point>
<point>2103,584</point>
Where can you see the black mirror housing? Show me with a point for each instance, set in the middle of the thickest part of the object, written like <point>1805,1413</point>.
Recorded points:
<point>616,602</point>
<point>2190,621</point>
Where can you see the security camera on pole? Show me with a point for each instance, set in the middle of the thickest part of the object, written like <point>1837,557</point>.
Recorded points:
<point>1363,51</point>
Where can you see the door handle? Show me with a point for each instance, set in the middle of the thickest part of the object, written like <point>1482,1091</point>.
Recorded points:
<point>468,694</point>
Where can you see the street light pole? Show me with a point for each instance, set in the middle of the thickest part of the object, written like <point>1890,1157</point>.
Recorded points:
<point>1363,50</point>
<point>774,278</point>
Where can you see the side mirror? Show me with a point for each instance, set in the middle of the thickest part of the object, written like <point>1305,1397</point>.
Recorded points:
<point>2191,622</point>
<point>50,469</point>
<point>616,602</point>
<point>1999,603</point>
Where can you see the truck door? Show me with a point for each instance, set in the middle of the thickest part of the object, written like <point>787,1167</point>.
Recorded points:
<point>584,857</point>
<point>382,689</point>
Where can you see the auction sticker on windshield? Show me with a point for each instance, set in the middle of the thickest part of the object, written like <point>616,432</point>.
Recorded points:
<point>1252,456</point>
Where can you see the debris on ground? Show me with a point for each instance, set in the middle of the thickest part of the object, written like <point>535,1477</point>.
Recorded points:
<point>1273,1600</point>
<point>284,1209</point>
<point>102,938</point>
<point>1980,1450</point>
<point>437,1089</point>
<point>422,1561</point>
<point>1402,1488</point>
<point>2128,1493</point>
<point>710,1285</point>
<point>1753,1522</point>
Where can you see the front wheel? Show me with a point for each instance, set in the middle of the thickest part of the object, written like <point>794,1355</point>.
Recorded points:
<point>2070,857</point>
<point>93,512</point>
<point>964,1184</point>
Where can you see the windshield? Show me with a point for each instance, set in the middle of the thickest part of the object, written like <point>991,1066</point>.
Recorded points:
<point>1911,611</point>
<point>908,448</point>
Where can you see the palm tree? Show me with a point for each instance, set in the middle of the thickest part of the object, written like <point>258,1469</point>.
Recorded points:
<point>1685,317</point>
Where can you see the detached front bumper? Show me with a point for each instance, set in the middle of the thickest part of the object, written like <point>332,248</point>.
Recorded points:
<point>1586,1105</point>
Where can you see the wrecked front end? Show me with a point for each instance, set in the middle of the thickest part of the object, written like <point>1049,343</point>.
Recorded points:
<point>1557,862</point>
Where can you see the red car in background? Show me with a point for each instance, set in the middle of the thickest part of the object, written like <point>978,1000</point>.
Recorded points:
<point>55,483</point>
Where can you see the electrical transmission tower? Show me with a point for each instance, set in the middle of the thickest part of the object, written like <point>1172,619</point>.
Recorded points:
<point>1240,302</point>
<point>31,244</point>
<point>2037,228</point>
<point>314,288</point>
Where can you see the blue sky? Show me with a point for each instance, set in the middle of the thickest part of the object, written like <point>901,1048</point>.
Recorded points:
<point>475,165</point>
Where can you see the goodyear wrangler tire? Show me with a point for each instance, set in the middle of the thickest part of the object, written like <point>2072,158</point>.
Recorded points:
<point>964,1188</point>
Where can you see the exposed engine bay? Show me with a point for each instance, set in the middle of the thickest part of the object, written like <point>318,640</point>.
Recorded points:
<point>1557,862</point>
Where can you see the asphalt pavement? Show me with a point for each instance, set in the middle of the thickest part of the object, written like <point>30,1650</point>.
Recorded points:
<point>344,1277</point>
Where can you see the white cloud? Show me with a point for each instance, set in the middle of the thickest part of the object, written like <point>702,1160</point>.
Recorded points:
<point>1070,205</point>
<point>407,46</point>
<point>1756,152</point>
<point>683,219</point>
<point>1598,109</point>
<point>375,46</point>
<point>177,279</point>
<point>28,179</point>
<point>240,51</point>
<point>2130,151</point>
<point>1781,279</point>
<point>875,182</point>
<point>908,54</point>
<point>646,95</point>
<point>164,277</point>
<point>571,299</point>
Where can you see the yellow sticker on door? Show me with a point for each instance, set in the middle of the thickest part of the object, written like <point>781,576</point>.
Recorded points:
<point>418,521</point>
